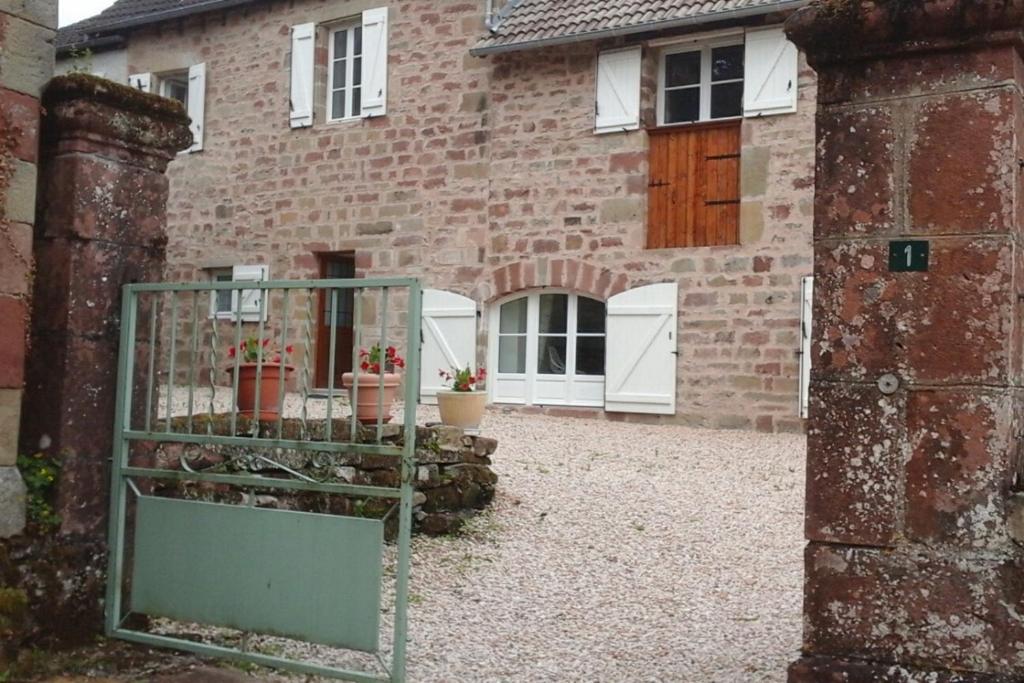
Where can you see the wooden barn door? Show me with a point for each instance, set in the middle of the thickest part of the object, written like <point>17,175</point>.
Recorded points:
<point>694,187</point>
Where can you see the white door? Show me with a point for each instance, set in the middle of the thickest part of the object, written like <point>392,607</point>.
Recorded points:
<point>547,348</point>
<point>449,339</point>
<point>806,308</point>
<point>641,365</point>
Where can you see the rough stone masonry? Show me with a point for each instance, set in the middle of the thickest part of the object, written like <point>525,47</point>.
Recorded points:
<point>914,566</point>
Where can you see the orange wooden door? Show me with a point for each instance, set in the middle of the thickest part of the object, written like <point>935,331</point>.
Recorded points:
<point>694,186</point>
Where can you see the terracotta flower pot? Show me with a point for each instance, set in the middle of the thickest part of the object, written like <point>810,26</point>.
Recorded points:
<point>369,390</point>
<point>463,409</point>
<point>270,383</point>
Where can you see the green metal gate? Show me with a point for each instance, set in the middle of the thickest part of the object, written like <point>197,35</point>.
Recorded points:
<point>306,576</point>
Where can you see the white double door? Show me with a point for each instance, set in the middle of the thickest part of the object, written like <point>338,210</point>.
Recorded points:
<point>548,348</point>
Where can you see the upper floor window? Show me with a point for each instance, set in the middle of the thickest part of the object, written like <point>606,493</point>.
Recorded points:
<point>174,85</point>
<point>345,72</point>
<point>701,83</point>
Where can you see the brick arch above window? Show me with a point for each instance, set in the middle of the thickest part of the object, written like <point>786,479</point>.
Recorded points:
<point>583,277</point>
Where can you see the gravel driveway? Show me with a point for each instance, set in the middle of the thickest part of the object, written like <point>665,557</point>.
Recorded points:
<point>616,552</point>
<point>620,552</point>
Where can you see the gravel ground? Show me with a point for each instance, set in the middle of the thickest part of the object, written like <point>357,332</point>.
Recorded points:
<point>613,552</point>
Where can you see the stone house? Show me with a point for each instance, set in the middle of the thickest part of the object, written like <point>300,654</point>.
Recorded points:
<point>610,202</point>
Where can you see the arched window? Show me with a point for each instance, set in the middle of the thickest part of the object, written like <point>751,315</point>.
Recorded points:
<point>548,348</point>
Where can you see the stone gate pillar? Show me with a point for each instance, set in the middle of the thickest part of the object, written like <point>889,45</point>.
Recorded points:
<point>912,568</point>
<point>101,224</point>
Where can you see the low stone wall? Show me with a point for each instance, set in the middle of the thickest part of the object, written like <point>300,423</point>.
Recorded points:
<point>453,477</point>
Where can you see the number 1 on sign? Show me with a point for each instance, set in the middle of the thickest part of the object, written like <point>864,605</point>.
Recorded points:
<point>909,251</point>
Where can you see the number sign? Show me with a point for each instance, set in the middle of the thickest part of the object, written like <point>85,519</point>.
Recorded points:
<point>908,256</point>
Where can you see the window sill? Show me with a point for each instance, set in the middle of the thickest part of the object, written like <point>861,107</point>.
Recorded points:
<point>695,125</point>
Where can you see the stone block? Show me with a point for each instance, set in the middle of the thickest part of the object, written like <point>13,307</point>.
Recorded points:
<point>21,113</point>
<point>936,611</point>
<point>951,325</point>
<point>10,419</point>
<point>855,192</point>
<point>104,200</point>
<point>754,171</point>
<point>621,210</point>
<point>16,260</point>
<point>979,196</point>
<point>27,60</point>
<point>13,325</point>
<point>856,445</point>
<point>43,13</point>
<point>751,222</point>
<point>21,193</point>
<point>12,502</point>
<point>960,473</point>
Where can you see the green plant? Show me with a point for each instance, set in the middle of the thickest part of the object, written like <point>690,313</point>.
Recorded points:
<point>40,472</point>
<point>463,379</point>
<point>81,60</point>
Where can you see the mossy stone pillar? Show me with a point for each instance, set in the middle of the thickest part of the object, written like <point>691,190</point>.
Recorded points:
<point>101,224</point>
<point>913,572</point>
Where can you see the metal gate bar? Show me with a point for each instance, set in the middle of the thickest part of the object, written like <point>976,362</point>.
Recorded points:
<point>123,473</point>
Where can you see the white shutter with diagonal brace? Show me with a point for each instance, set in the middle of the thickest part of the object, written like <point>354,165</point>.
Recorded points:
<point>640,370</point>
<point>143,82</point>
<point>449,339</point>
<point>303,44</point>
<point>806,311</point>
<point>770,73</point>
<point>375,62</point>
<point>618,91</point>
<point>246,302</point>
<point>197,104</point>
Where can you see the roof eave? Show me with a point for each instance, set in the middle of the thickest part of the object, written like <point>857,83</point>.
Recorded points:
<point>742,13</point>
<point>155,18</point>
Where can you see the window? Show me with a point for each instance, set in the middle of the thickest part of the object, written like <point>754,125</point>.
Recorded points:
<point>345,72</point>
<point>174,86</point>
<point>220,303</point>
<point>702,83</point>
<point>549,349</point>
<point>224,303</point>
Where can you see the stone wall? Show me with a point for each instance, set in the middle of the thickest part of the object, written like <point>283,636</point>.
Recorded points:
<point>26,63</point>
<point>485,178</point>
<point>453,478</point>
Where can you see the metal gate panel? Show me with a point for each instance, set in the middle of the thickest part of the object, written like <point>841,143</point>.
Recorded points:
<point>239,567</point>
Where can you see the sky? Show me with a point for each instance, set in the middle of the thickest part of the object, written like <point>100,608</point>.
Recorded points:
<point>74,10</point>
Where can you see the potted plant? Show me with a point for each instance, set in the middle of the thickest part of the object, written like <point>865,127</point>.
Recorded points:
<point>251,355</point>
<point>462,405</point>
<point>370,364</point>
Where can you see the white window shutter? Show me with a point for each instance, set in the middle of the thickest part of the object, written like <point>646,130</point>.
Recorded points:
<point>303,44</point>
<point>770,78</point>
<point>247,301</point>
<point>806,310</point>
<point>375,62</point>
<point>640,365</point>
<point>143,82</point>
<point>197,104</point>
<point>618,91</point>
<point>449,339</point>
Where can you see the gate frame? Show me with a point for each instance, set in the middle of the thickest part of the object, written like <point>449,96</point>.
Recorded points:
<point>122,473</point>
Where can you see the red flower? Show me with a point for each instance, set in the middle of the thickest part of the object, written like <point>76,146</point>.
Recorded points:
<point>289,348</point>
<point>266,341</point>
<point>231,352</point>
<point>364,366</point>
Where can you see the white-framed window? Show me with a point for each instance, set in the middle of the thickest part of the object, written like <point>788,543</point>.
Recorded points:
<point>220,303</point>
<point>174,85</point>
<point>701,82</point>
<point>548,348</point>
<point>345,72</point>
<point>187,86</point>
<point>224,303</point>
